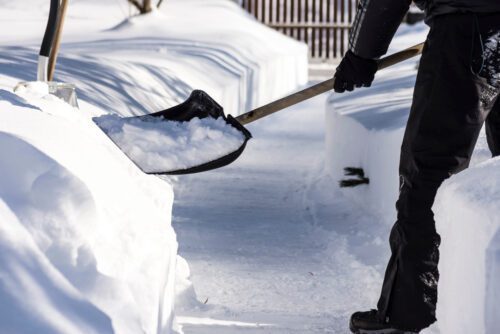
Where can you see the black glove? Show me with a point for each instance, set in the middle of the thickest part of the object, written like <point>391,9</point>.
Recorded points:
<point>354,71</point>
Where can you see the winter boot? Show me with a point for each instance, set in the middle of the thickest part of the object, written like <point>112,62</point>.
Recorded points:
<point>370,323</point>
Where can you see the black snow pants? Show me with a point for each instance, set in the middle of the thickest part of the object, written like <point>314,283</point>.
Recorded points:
<point>457,90</point>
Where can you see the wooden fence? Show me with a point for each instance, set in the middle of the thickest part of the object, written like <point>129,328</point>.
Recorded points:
<point>323,24</point>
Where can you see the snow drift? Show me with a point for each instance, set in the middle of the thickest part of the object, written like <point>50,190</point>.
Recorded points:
<point>467,218</point>
<point>86,242</point>
<point>364,128</point>
<point>138,65</point>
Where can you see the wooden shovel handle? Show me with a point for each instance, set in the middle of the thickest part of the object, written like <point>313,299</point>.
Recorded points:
<point>320,88</point>
<point>57,40</point>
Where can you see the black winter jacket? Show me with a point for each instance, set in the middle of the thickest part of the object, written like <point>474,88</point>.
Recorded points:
<point>376,21</point>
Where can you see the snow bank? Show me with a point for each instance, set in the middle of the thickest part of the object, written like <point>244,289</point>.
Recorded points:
<point>364,128</point>
<point>158,146</point>
<point>86,244</point>
<point>36,298</point>
<point>138,65</point>
<point>467,218</point>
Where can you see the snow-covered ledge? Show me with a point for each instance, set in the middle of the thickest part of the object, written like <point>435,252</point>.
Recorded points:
<point>86,243</point>
<point>468,219</point>
<point>364,129</point>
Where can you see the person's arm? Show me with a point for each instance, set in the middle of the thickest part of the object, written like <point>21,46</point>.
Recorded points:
<point>374,27</point>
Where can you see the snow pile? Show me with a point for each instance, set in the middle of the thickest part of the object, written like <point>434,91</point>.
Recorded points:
<point>86,244</point>
<point>139,65</point>
<point>467,218</point>
<point>35,296</point>
<point>157,145</point>
<point>365,129</point>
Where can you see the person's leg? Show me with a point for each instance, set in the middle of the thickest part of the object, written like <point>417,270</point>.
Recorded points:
<point>449,107</point>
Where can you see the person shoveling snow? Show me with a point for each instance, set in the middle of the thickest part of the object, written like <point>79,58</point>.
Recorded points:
<point>456,91</point>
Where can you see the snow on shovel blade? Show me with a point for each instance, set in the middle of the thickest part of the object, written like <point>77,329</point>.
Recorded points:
<point>192,137</point>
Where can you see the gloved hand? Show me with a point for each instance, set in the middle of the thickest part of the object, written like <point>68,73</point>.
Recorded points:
<point>354,71</point>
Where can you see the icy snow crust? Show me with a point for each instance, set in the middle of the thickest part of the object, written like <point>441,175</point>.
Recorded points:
<point>157,145</point>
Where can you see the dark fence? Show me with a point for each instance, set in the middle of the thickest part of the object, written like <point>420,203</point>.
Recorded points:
<point>322,24</point>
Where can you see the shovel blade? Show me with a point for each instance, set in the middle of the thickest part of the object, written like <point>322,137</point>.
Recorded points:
<point>198,105</point>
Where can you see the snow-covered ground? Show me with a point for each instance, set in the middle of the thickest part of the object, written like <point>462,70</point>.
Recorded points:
<point>157,60</point>
<point>272,246</point>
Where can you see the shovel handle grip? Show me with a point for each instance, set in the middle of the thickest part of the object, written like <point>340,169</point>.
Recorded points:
<point>50,30</point>
<point>320,88</point>
<point>48,39</point>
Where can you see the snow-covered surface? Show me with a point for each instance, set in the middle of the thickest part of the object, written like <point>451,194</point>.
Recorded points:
<point>158,146</point>
<point>86,237</point>
<point>145,64</point>
<point>272,246</point>
<point>468,220</point>
<point>365,129</point>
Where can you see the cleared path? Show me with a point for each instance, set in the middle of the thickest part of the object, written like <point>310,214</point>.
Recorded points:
<point>272,244</point>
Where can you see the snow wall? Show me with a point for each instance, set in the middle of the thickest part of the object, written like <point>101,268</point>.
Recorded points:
<point>467,216</point>
<point>86,244</point>
<point>142,64</point>
<point>365,129</point>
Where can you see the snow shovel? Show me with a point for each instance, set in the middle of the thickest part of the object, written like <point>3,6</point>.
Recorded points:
<point>201,105</point>
<point>48,55</point>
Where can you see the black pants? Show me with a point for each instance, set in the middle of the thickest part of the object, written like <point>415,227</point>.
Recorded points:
<point>455,93</point>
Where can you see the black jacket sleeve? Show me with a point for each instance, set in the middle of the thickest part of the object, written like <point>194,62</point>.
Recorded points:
<point>374,26</point>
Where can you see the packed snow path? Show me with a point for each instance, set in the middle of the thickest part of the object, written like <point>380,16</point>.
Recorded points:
<point>272,247</point>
